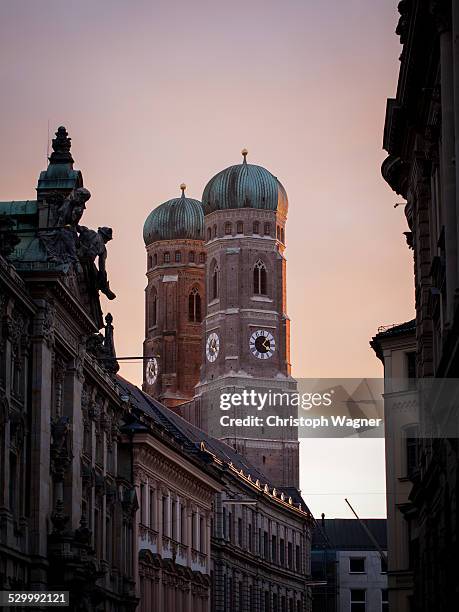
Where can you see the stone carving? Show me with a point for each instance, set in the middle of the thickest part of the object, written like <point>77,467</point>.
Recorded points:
<point>61,453</point>
<point>92,245</point>
<point>103,347</point>
<point>8,239</point>
<point>71,210</point>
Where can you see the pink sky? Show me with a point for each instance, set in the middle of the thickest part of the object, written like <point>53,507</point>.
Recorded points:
<point>154,93</point>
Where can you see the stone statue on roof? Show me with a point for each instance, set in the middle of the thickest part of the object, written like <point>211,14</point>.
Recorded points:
<point>91,244</point>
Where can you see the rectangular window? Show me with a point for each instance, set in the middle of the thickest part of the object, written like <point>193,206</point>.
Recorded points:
<point>239,532</point>
<point>290,555</point>
<point>152,509</point>
<point>384,600</point>
<point>411,441</point>
<point>142,504</point>
<point>298,558</point>
<point>274,549</point>
<point>383,566</point>
<point>358,600</point>
<point>201,535</point>
<point>174,520</point>
<point>178,256</point>
<point>164,517</point>
<point>357,565</point>
<point>282,551</point>
<point>182,524</point>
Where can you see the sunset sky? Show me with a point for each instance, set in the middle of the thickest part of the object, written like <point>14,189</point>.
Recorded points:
<point>155,93</point>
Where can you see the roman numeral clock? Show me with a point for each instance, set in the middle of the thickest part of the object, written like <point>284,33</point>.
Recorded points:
<point>262,344</point>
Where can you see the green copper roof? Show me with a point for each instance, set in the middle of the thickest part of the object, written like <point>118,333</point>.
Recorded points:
<point>177,218</point>
<point>244,186</point>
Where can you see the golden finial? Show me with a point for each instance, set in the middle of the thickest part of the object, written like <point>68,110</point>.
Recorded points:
<point>244,155</point>
<point>183,187</point>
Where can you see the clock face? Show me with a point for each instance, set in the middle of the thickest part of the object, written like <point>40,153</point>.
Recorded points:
<point>212,347</point>
<point>262,344</point>
<point>151,371</point>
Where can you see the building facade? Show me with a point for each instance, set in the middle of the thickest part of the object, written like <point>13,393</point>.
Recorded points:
<point>67,508</point>
<point>395,346</point>
<point>421,136</point>
<point>212,533</point>
<point>349,566</point>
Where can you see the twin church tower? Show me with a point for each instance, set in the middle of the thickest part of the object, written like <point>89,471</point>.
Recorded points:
<point>215,316</point>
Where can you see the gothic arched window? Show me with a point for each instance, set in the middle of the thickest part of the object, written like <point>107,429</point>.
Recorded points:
<point>215,231</point>
<point>209,233</point>
<point>259,278</point>
<point>214,281</point>
<point>153,309</point>
<point>194,306</point>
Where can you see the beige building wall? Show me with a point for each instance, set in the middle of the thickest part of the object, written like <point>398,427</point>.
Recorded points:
<point>396,349</point>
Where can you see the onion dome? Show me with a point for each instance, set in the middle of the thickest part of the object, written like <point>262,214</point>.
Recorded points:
<point>244,186</point>
<point>177,218</point>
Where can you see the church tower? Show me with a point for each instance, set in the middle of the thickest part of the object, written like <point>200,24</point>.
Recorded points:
<point>174,299</point>
<point>246,335</point>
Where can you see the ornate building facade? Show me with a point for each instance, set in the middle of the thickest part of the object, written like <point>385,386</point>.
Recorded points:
<point>66,507</point>
<point>421,136</point>
<point>212,533</point>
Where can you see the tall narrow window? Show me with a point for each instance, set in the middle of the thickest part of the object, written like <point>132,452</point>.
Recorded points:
<point>267,229</point>
<point>256,227</point>
<point>282,235</point>
<point>178,256</point>
<point>259,278</point>
<point>194,306</point>
<point>358,600</point>
<point>202,258</point>
<point>191,257</point>
<point>153,310</point>
<point>155,259</point>
<point>209,233</point>
<point>228,228</point>
<point>214,281</point>
<point>215,230</point>
<point>167,257</point>
<point>240,227</point>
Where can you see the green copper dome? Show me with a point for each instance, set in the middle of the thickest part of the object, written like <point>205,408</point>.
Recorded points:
<point>177,218</point>
<point>244,186</point>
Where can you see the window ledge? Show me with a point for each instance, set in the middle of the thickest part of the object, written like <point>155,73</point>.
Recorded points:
<point>214,302</point>
<point>261,298</point>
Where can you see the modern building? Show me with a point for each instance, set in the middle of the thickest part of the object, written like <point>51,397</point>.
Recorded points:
<point>351,567</point>
<point>421,137</point>
<point>67,507</point>
<point>395,346</point>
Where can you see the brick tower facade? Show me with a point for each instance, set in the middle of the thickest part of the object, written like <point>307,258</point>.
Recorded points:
<point>246,337</point>
<point>174,300</point>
